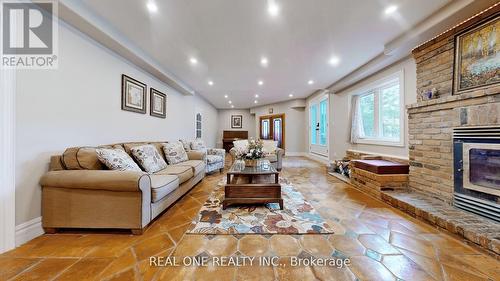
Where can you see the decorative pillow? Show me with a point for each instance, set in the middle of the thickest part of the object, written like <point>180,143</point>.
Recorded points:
<point>175,153</point>
<point>148,157</point>
<point>269,146</point>
<point>198,144</point>
<point>241,144</point>
<point>186,144</point>
<point>116,159</point>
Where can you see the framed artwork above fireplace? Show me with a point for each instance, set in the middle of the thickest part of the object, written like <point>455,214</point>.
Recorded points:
<point>477,56</point>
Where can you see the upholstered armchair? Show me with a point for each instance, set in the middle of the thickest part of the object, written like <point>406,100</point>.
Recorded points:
<point>214,158</point>
<point>273,153</point>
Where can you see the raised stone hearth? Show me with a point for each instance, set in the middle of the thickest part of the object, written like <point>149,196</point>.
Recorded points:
<point>473,228</point>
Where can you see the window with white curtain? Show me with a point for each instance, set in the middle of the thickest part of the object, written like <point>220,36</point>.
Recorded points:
<point>378,112</point>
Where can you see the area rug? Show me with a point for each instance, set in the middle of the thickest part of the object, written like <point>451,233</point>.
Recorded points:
<point>297,216</point>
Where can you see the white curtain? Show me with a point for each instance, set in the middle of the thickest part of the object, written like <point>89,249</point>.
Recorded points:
<point>356,122</point>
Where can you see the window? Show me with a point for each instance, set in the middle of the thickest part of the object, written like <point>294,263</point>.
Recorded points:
<point>380,109</point>
<point>323,121</point>
<point>198,125</point>
<point>314,123</point>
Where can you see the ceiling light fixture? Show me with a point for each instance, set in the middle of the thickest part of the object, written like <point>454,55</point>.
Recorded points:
<point>334,61</point>
<point>225,96</point>
<point>391,9</point>
<point>310,82</point>
<point>264,62</point>
<point>151,5</point>
<point>193,60</point>
<point>290,95</point>
<point>272,8</point>
<point>232,106</point>
<point>255,101</point>
<point>260,82</point>
<point>210,82</point>
<point>230,102</point>
<point>257,95</point>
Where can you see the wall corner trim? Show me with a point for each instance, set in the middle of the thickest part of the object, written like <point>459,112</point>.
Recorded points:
<point>29,230</point>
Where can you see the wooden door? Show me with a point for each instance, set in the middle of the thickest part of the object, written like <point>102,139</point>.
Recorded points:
<point>272,127</point>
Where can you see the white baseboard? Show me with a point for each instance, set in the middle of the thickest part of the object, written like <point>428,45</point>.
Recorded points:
<point>28,230</point>
<point>295,153</point>
<point>318,158</point>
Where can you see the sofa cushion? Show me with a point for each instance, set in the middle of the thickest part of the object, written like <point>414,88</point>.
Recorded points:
<point>184,173</point>
<point>81,158</point>
<point>196,165</point>
<point>186,144</point>
<point>214,158</point>
<point>162,185</point>
<point>116,159</point>
<point>148,157</point>
<point>175,153</point>
<point>269,146</point>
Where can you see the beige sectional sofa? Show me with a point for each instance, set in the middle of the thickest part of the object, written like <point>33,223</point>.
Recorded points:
<point>79,192</point>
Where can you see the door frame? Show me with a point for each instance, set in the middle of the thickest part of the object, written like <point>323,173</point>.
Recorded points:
<point>7,154</point>
<point>317,100</point>
<point>271,116</point>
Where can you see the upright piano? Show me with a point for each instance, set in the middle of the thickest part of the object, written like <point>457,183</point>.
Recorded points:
<point>229,136</point>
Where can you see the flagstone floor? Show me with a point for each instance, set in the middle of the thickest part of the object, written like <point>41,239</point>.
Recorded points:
<point>381,242</point>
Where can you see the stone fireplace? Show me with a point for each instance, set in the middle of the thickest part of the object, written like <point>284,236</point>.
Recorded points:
<point>454,146</point>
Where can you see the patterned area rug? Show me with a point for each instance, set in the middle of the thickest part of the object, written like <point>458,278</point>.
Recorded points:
<point>297,216</point>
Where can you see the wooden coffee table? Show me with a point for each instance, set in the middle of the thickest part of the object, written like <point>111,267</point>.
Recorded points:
<point>252,185</point>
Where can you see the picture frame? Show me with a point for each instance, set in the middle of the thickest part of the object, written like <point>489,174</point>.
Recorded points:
<point>157,103</point>
<point>271,110</point>
<point>133,95</point>
<point>236,121</point>
<point>475,64</point>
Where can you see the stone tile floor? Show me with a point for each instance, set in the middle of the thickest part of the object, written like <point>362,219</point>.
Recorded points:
<point>381,242</point>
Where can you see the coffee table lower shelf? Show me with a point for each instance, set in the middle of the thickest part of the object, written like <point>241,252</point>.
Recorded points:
<point>252,193</point>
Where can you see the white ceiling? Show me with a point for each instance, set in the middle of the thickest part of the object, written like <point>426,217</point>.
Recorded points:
<point>229,38</point>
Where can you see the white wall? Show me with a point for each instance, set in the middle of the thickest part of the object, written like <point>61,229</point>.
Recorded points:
<point>224,122</point>
<point>80,104</point>
<point>295,124</point>
<point>340,113</point>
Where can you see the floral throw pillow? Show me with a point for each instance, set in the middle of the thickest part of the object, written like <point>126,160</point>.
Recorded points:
<point>175,153</point>
<point>116,159</point>
<point>148,157</point>
<point>198,144</point>
<point>186,144</point>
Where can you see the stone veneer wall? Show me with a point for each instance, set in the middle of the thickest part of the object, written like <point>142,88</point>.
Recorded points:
<point>431,122</point>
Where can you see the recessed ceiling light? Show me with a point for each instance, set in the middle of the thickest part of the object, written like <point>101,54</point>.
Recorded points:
<point>225,96</point>
<point>210,82</point>
<point>232,106</point>
<point>334,60</point>
<point>193,60</point>
<point>230,102</point>
<point>391,9</point>
<point>264,61</point>
<point>255,101</point>
<point>290,95</point>
<point>260,82</point>
<point>310,82</point>
<point>272,8</point>
<point>151,5</point>
<point>257,95</point>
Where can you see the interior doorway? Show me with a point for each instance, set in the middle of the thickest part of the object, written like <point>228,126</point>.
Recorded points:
<point>318,126</point>
<point>272,127</point>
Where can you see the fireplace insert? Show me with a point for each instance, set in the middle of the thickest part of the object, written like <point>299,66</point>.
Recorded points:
<point>476,158</point>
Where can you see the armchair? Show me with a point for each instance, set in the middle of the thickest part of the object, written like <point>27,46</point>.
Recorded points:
<point>275,155</point>
<point>214,157</point>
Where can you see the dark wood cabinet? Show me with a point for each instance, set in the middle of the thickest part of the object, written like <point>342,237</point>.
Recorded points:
<point>229,136</point>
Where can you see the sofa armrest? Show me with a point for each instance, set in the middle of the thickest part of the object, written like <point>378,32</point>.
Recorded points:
<point>97,180</point>
<point>196,155</point>
<point>216,151</point>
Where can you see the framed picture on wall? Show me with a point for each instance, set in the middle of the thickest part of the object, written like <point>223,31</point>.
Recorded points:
<point>236,121</point>
<point>158,103</point>
<point>133,95</point>
<point>477,52</point>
